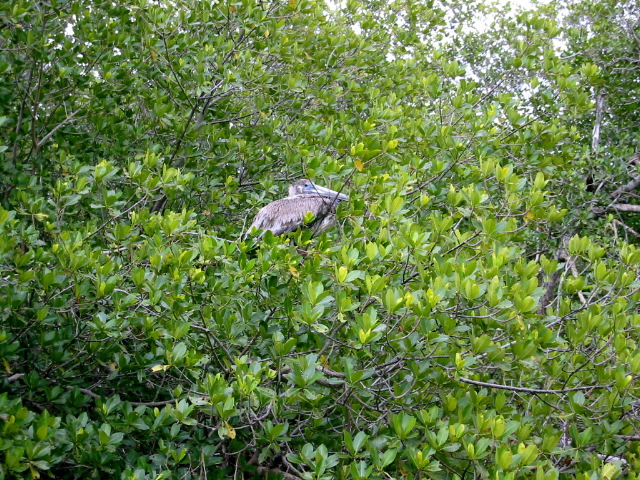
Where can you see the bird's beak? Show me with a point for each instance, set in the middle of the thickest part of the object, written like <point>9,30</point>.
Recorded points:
<point>327,192</point>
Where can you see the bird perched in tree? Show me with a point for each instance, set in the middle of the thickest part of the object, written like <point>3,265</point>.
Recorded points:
<point>288,214</point>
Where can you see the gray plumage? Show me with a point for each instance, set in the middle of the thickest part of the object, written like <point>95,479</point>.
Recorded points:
<point>287,214</point>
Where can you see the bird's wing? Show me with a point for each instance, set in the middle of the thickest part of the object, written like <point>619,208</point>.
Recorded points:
<point>287,214</point>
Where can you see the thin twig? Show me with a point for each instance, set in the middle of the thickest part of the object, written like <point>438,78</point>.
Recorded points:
<point>114,218</point>
<point>91,394</point>
<point>57,127</point>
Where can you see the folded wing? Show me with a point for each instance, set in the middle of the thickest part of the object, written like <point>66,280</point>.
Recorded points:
<point>287,214</point>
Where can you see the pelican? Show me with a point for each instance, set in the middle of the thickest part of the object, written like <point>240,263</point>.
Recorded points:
<point>287,214</point>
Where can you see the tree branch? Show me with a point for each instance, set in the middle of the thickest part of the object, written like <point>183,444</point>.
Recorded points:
<point>626,227</point>
<point>56,128</point>
<point>531,390</point>
<point>144,197</point>
<point>619,207</point>
<point>630,186</point>
<point>595,140</point>
<point>91,394</point>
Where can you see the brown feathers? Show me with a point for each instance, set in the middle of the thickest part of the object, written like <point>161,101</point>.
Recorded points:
<point>287,215</point>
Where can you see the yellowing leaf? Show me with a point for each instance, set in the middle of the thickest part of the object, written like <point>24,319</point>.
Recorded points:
<point>292,3</point>
<point>231,432</point>
<point>157,368</point>
<point>266,34</point>
<point>363,336</point>
<point>359,165</point>
<point>294,272</point>
<point>529,216</point>
<point>342,273</point>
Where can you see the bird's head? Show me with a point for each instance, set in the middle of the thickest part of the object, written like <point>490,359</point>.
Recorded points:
<point>307,187</point>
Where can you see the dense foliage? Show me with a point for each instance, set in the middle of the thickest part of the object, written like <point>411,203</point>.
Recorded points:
<point>474,315</point>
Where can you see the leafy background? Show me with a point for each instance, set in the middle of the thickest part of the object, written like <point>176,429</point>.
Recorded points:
<point>474,315</point>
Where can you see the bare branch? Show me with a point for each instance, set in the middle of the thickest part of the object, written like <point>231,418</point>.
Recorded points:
<point>531,390</point>
<point>57,127</point>
<point>91,394</point>
<point>144,197</point>
<point>630,186</point>
<point>626,227</point>
<point>15,376</point>
<point>595,140</point>
<point>624,207</point>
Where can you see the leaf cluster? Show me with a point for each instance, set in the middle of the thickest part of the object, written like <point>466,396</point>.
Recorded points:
<point>458,322</point>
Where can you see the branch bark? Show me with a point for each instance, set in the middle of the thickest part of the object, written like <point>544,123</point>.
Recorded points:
<point>630,186</point>
<point>595,140</point>
<point>56,128</point>
<point>619,207</point>
<point>531,390</point>
<point>91,394</point>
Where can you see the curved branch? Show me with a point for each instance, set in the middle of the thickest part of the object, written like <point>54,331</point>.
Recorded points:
<point>626,188</point>
<point>630,186</point>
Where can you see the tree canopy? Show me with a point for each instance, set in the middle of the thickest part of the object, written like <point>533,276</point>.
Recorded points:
<point>475,314</point>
